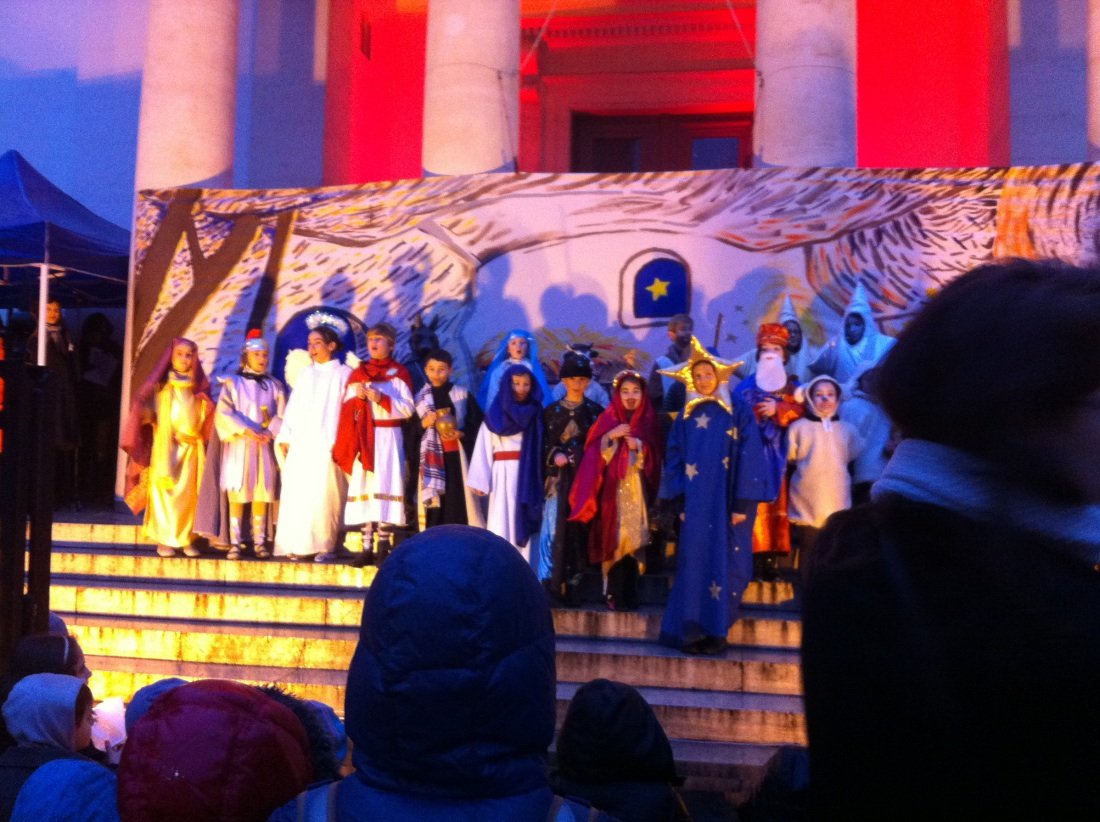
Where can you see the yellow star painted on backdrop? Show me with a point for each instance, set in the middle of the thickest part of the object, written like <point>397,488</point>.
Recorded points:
<point>732,433</point>
<point>658,288</point>
<point>702,421</point>
<point>692,470</point>
<point>715,589</point>
<point>725,462</point>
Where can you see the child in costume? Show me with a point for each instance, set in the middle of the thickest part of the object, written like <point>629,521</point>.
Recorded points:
<point>713,474</point>
<point>370,445</point>
<point>506,464</point>
<point>770,391</point>
<point>451,419</point>
<point>165,437</point>
<point>820,445</point>
<point>518,347</point>
<point>562,545</point>
<point>250,411</point>
<point>617,479</point>
<point>313,486</point>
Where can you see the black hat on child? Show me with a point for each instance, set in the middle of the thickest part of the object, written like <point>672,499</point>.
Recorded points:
<point>575,364</point>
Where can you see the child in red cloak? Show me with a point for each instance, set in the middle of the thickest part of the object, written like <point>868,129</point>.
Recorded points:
<point>617,478</point>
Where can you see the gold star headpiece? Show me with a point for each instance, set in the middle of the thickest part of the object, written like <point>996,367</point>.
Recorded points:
<point>682,373</point>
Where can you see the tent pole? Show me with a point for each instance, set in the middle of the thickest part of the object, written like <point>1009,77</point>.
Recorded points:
<point>43,298</point>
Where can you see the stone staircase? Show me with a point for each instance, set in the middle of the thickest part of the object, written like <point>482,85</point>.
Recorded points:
<point>141,618</point>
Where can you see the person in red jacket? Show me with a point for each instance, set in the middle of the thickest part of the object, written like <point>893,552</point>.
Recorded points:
<point>212,750</point>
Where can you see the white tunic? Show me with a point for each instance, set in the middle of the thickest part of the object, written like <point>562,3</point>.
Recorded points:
<point>248,467</point>
<point>820,485</point>
<point>313,485</point>
<point>500,480</point>
<point>379,495</point>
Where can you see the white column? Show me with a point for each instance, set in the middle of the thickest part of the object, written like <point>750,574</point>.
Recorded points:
<point>188,94</point>
<point>471,87</point>
<point>1093,87</point>
<point>806,83</point>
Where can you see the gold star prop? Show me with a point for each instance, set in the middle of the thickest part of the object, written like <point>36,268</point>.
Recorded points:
<point>682,373</point>
<point>658,288</point>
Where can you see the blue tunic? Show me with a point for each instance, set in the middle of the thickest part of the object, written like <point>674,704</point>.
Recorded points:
<point>717,472</point>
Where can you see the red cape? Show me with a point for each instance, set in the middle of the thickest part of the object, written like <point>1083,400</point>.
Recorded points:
<point>355,434</point>
<point>595,486</point>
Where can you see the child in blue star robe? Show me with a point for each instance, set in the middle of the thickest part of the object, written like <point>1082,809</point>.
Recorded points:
<point>719,476</point>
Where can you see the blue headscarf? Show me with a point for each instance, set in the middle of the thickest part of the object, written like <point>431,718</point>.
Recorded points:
<point>506,417</point>
<point>487,391</point>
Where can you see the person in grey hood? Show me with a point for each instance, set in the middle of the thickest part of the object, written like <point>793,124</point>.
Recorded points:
<point>50,716</point>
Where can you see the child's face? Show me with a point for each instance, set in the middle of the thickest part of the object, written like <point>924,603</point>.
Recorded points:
<point>631,395</point>
<point>706,378</point>
<point>575,385</point>
<point>521,386</point>
<point>319,350</point>
<point>83,734</point>
<point>825,399</point>
<point>256,361</point>
<point>378,346</point>
<point>183,358</point>
<point>517,348</point>
<point>438,372</point>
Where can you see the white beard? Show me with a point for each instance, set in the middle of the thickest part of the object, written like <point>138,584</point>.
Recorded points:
<point>770,373</point>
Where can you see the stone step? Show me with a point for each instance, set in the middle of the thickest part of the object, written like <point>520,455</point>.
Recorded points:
<point>103,560</point>
<point>262,605</point>
<point>759,625</point>
<point>639,664</point>
<point>144,564</point>
<point>713,717</point>
<point>718,716</point>
<point>304,648</point>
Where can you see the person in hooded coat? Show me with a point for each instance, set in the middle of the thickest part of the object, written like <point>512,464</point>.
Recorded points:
<point>50,716</point>
<point>212,750</point>
<point>68,790</point>
<point>613,753</point>
<point>450,700</point>
<point>860,345</point>
<point>951,628</point>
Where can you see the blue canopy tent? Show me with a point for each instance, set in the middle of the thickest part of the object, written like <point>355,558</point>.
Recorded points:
<point>50,241</point>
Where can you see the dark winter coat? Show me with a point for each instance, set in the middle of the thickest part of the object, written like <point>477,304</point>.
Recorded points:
<point>950,669</point>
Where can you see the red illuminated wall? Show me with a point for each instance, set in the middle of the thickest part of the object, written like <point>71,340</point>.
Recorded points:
<point>374,96</point>
<point>933,83</point>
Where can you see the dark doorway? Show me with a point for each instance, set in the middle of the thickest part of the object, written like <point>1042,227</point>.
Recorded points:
<point>661,142</point>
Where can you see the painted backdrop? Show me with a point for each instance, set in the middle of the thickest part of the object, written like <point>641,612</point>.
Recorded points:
<point>597,258</point>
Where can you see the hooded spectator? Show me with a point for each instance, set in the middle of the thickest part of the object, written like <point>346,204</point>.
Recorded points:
<point>212,750</point>
<point>450,698</point>
<point>951,628</point>
<point>613,752</point>
<point>50,717</point>
<point>68,790</point>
